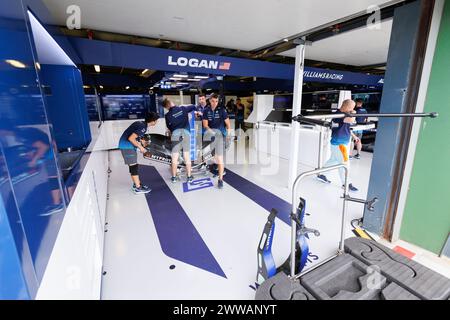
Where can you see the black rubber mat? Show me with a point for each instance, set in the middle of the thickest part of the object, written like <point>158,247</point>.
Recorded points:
<point>367,271</point>
<point>280,287</point>
<point>344,278</point>
<point>408,274</point>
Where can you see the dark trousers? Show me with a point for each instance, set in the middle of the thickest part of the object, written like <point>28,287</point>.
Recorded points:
<point>239,125</point>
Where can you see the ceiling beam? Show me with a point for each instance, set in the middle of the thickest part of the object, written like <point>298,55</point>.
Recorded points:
<point>327,30</point>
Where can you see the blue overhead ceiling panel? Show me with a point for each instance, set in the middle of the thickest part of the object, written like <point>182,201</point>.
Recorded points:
<point>143,57</point>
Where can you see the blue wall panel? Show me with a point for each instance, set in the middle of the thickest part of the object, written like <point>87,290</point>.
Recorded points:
<point>80,106</point>
<point>400,58</point>
<point>32,205</point>
<point>66,106</point>
<point>12,282</point>
<point>17,276</point>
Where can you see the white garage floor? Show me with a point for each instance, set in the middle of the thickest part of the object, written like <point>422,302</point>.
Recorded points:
<point>202,244</point>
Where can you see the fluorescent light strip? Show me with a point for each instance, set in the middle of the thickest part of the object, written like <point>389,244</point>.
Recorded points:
<point>201,77</point>
<point>194,79</point>
<point>97,68</point>
<point>180,75</point>
<point>16,64</point>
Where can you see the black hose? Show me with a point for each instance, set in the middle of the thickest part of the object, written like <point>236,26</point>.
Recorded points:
<point>359,221</point>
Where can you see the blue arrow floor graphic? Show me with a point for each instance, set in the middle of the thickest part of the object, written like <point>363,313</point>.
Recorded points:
<point>177,235</point>
<point>264,198</point>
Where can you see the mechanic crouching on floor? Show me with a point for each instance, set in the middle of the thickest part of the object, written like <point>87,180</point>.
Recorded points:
<point>131,141</point>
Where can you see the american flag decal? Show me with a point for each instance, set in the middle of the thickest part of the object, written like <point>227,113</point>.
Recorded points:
<point>224,66</point>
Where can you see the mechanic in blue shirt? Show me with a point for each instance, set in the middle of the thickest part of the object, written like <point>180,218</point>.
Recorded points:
<point>216,125</point>
<point>359,120</point>
<point>202,104</point>
<point>340,140</point>
<point>129,142</point>
<point>177,122</point>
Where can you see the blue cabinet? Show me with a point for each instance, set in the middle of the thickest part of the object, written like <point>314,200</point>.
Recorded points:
<point>66,106</point>
<point>34,124</point>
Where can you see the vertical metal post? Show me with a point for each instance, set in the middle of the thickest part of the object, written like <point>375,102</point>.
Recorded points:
<point>344,210</point>
<point>296,109</point>
<point>181,97</point>
<point>294,209</point>
<point>320,157</point>
<point>293,239</point>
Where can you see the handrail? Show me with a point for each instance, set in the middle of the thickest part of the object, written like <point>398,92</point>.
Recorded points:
<point>378,115</point>
<point>294,208</point>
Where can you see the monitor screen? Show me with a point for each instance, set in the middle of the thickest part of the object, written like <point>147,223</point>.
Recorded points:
<point>282,102</point>
<point>280,116</point>
<point>124,107</point>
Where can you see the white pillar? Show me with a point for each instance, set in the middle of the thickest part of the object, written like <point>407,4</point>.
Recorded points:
<point>181,97</point>
<point>296,109</point>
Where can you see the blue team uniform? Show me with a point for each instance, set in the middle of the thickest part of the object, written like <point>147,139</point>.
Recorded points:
<point>361,111</point>
<point>178,118</point>
<point>201,109</point>
<point>216,119</point>
<point>137,127</point>
<point>341,134</point>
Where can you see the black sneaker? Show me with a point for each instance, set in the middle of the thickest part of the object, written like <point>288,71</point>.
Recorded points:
<point>190,179</point>
<point>216,173</point>
<point>357,156</point>
<point>141,190</point>
<point>351,187</point>
<point>142,186</point>
<point>220,184</point>
<point>323,178</point>
<point>174,179</point>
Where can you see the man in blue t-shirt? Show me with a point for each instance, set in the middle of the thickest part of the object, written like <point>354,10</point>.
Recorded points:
<point>129,142</point>
<point>202,104</point>
<point>177,122</point>
<point>360,110</point>
<point>340,140</point>
<point>216,125</point>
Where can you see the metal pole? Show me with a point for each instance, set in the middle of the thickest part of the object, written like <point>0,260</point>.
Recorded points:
<point>294,206</point>
<point>293,243</point>
<point>320,158</point>
<point>344,210</point>
<point>296,109</point>
<point>377,115</point>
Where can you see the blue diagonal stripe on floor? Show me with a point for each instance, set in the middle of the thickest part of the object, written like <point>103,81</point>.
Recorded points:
<point>177,235</point>
<point>261,196</point>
